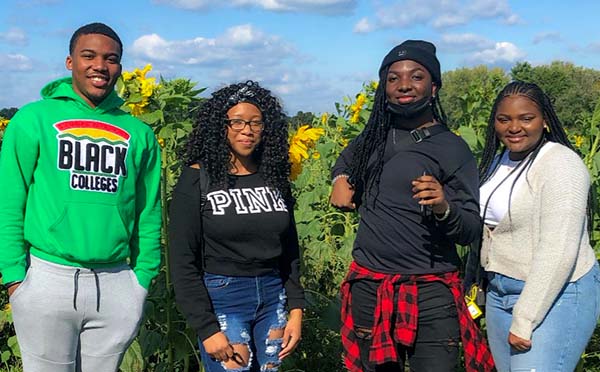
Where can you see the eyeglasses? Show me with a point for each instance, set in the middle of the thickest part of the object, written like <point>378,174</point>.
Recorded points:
<point>239,124</point>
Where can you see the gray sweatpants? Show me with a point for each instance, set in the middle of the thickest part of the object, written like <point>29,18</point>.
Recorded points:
<point>74,319</point>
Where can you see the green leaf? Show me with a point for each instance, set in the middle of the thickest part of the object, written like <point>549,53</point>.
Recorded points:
<point>135,98</point>
<point>469,135</point>
<point>597,160</point>
<point>5,356</point>
<point>345,251</point>
<point>313,228</point>
<point>151,117</point>
<point>133,361</point>
<point>181,133</point>
<point>150,342</point>
<point>3,318</point>
<point>596,114</point>
<point>364,114</point>
<point>14,346</point>
<point>181,345</point>
<point>165,132</point>
<point>325,148</point>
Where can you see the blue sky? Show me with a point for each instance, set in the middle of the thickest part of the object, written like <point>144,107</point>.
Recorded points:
<point>311,53</point>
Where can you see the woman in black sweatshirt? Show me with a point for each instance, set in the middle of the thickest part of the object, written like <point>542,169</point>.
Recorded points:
<point>414,183</point>
<point>233,243</point>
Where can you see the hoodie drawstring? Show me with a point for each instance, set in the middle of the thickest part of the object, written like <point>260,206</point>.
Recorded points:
<point>76,288</point>
<point>97,290</point>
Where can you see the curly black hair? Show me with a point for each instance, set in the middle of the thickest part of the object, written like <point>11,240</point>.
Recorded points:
<point>207,144</point>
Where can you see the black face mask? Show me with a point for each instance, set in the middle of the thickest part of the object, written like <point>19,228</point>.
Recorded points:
<point>409,110</point>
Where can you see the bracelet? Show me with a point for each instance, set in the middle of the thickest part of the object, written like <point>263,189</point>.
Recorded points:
<point>444,217</point>
<point>342,175</point>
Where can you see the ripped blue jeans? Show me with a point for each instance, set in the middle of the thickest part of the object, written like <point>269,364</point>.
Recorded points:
<point>248,309</point>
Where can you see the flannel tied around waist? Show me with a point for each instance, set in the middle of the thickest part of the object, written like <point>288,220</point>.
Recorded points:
<point>478,357</point>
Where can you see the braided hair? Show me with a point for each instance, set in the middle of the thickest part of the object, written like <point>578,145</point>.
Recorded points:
<point>207,144</point>
<point>554,133</point>
<point>373,138</point>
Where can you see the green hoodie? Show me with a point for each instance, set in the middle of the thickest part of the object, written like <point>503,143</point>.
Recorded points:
<point>80,186</point>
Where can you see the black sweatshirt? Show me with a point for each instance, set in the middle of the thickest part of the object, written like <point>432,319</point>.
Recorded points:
<point>392,235</point>
<point>248,231</point>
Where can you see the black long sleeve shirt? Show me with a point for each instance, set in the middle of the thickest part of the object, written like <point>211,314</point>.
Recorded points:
<point>247,229</point>
<point>392,235</point>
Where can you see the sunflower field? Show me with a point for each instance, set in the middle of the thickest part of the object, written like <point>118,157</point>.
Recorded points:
<point>165,343</point>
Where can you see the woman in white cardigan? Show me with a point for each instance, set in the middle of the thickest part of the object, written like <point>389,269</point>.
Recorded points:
<point>543,297</point>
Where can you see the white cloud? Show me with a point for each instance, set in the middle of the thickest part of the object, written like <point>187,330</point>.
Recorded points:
<point>240,53</point>
<point>303,91</point>
<point>464,42</point>
<point>239,45</point>
<point>546,36</point>
<point>450,20</point>
<point>298,88</point>
<point>488,8</point>
<point>503,53</point>
<point>363,26</point>
<point>594,47</point>
<point>440,14</point>
<point>14,36</point>
<point>15,62</point>
<point>30,3</point>
<point>186,4</point>
<point>405,14</point>
<point>480,50</point>
<point>512,19</point>
<point>328,7</point>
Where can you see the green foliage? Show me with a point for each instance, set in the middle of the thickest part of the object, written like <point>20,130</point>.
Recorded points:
<point>573,89</point>
<point>301,118</point>
<point>468,94</point>
<point>8,113</point>
<point>166,343</point>
<point>9,348</point>
<point>590,361</point>
<point>585,136</point>
<point>522,71</point>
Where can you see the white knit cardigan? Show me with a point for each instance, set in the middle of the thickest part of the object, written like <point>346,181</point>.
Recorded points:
<point>545,243</point>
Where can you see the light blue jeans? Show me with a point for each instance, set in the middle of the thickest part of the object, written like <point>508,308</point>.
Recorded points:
<point>558,342</point>
<point>248,308</point>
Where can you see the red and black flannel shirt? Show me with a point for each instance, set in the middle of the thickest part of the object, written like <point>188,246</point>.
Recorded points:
<point>478,357</point>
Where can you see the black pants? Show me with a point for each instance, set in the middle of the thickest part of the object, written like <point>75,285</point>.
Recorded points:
<point>438,333</point>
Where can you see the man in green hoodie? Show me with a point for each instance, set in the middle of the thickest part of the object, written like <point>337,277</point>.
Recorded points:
<point>80,216</point>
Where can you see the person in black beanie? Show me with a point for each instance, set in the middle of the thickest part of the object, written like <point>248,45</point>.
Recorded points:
<point>415,186</point>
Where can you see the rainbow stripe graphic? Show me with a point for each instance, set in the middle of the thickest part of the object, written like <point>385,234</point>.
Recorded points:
<point>92,130</point>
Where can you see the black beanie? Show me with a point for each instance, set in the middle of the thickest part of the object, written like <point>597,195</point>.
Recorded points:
<point>419,51</point>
